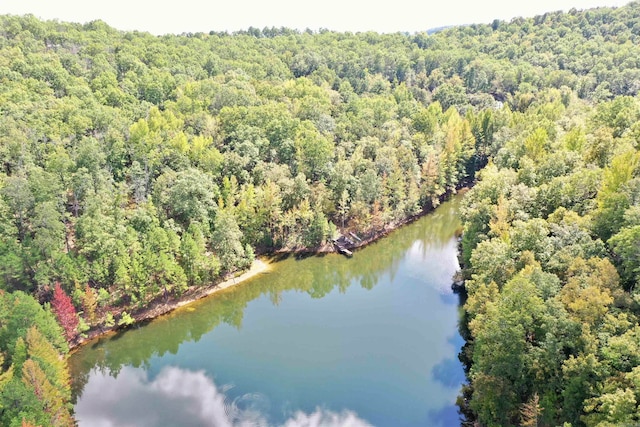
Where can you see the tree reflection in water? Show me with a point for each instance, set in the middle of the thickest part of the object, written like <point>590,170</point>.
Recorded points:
<point>421,254</point>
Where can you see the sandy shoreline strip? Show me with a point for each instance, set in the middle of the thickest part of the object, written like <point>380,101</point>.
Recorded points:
<point>258,266</point>
<point>159,308</point>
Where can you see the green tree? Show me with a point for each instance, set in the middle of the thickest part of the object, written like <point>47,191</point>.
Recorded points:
<point>503,337</point>
<point>343,206</point>
<point>314,151</point>
<point>19,312</point>
<point>199,267</point>
<point>625,245</point>
<point>318,231</point>
<point>187,196</point>
<point>226,239</point>
<point>20,199</point>
<point>612,202</point>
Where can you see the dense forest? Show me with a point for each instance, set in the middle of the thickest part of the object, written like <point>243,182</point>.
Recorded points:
<point>552,238</point>
<point>135,167</point>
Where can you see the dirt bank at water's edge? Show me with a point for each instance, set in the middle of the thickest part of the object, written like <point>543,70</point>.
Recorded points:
<point>374,235</point>
<point>163,306</point>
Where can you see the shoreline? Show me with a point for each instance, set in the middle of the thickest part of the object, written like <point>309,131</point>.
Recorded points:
<point>161,307</point>
<point>375,235</point>
<point>259,266</point>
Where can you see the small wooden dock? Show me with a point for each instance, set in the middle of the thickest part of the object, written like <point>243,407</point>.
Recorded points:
<point>341,244</point>
<point>344,251</point>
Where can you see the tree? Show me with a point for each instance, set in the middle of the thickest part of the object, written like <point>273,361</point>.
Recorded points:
<point>31,344</point>
<point>504,337</point>
<point>65,312</point>
<point>199,267</point>
<point>187,196</point>
<point>20,198</point>
<point>113,147</point>
<point>343,205</point>
<point>49,229</point>
<point>530,412</point>
<point>52,403</point>
<point>90,304</point>
<point>19,312</point>
<point>612,202</point>
<point>155,267</point>
<point>314,151</point>
<point>536,144</point>
<point>12,263</point>
<point>226,239</point>
<point>42,351</point>
<point>625,245</point>
<point>494,261</point>
<point>451,94</point>
<point>318,231</point>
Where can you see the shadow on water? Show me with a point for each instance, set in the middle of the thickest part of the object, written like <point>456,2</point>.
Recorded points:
<point>446,417</point>
<point>315,275</point>
<point>450,299</point>
<point>448,373</point>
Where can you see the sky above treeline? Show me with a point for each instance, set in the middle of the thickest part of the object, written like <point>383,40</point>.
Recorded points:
<point>160,17</point>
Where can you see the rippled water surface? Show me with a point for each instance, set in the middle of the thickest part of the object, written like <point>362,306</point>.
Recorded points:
<point>323,341</point>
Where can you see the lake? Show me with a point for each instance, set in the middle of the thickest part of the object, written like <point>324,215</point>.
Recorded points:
<point>321,341</point>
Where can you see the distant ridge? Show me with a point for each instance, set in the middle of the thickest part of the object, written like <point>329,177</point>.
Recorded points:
<point>438,29</point>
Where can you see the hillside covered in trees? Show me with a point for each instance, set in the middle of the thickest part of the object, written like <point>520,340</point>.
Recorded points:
<point>551,243</point>
<point>133,167</point>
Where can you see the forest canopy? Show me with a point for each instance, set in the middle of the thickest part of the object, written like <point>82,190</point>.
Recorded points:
<point>134,167</point>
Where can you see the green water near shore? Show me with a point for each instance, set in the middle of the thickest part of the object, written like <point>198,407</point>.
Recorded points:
<point>324,340</point>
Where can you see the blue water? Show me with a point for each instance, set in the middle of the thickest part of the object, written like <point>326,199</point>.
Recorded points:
<point>328,341</point>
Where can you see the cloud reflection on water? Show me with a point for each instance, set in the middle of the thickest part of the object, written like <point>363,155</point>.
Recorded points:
<point>185,398</point>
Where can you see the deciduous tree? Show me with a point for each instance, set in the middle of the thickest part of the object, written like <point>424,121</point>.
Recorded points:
<point>65,312</point>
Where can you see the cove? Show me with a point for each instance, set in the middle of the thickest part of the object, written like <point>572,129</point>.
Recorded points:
<point>324,340</point>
